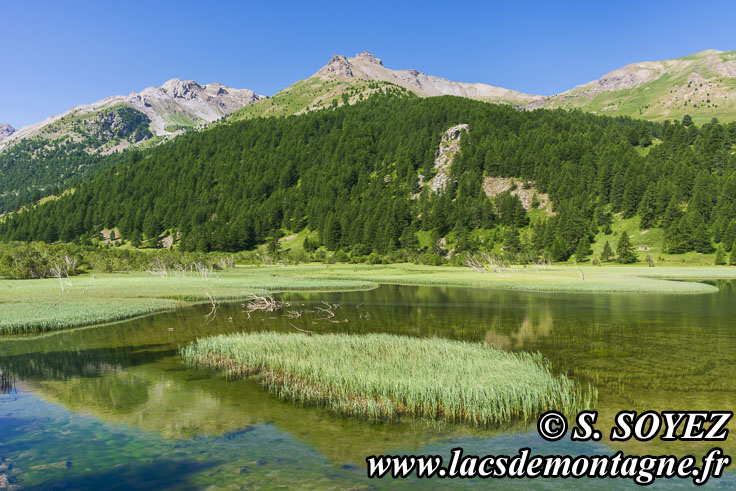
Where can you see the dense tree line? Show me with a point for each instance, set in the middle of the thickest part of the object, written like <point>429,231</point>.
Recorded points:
<point>351,173</point>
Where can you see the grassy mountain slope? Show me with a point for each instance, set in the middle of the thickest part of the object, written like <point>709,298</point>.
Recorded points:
<point>702,85</point>
<point>347,80</point>
<point>313,94</point>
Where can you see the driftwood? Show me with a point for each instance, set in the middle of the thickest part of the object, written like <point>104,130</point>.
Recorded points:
<point>215,306</point>
<point>328,309</point>
<point>301,330</point>
<point>263,303</point>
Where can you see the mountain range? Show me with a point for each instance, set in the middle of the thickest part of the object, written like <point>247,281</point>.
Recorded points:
<point>69,147</point>
<point>66,148</point>
<point>702,85</point>
<point>170,108</point>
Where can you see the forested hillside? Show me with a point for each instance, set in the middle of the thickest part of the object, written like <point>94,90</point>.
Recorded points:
<point>355,175</point>
<point>70,150</point>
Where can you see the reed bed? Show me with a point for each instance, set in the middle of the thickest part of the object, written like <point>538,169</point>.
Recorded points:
<point>38,305</point>
<point>386,377</point>
<point>556,279</point>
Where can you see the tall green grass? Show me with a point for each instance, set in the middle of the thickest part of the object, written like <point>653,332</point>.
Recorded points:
<point>39,305</point>
<point>28,306</point>
<point>384,377</point>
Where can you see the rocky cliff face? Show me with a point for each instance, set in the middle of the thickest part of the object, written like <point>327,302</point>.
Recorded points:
<point>186,103</point>
<point>449,147</point>
<point>6,130</point>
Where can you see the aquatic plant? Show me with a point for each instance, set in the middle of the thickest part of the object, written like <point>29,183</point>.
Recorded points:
<point>384,377</point>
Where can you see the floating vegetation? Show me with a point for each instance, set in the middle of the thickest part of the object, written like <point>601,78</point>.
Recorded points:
<point>385,377</point>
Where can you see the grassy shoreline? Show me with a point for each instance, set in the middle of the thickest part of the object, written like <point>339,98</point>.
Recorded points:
<point>385,377</point>
<point>40,305</point>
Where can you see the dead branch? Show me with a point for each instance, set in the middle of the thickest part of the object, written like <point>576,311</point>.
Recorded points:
<point>89,284</point>
<point>204,271</point>
<point>215,306</point>
<point>328,310</point>
<point>57,272</point>
<point>264,303</point>
<point>158,267</point>
<point>301,330</point>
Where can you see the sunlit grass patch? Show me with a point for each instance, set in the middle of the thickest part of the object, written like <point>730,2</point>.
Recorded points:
<point>385,377</point>
<point>40,305</point>
<point>37,305</point>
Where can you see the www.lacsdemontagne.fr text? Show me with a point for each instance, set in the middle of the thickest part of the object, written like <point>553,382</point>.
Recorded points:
<point>643,470</point>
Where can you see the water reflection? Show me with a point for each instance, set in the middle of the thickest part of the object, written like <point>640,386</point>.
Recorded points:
<point>640,351</point>
<point>7,383</point>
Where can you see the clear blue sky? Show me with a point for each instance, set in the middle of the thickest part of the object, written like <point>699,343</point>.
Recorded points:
<point>55,55</point>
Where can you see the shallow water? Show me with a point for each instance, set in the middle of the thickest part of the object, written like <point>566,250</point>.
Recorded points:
<point>113,406</point>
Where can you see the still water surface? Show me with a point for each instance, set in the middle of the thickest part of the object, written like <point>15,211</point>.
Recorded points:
<point>112,407</point>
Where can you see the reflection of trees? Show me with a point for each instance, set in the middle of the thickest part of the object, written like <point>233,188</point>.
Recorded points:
<point>533,328</point>
<point>177,402</point>
<point>639,351</point>
<point>62,365</point>
<point>7,383</point>
<point>131,373</point>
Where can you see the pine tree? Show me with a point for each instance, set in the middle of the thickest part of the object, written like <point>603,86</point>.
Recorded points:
<point>732,257</point>
<point>647,209</point>
<point>624,250</point>
<point>583,249</point>
<point>607,253</point>
<point>511,240</point>
<point>308,245</point>
<point>274,245</point>
<point>729,237</point>
<point>720,256</point>
<point>558,251</point>
<point>672,214</point>
<point>135,238</point>
<point>701,239</point>
<point>332,233</point>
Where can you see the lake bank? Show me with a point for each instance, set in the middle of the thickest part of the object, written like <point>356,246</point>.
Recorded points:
<point>41,305</point>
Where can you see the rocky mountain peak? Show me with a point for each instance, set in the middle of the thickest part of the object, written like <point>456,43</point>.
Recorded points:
<point>183,89</point>
<point>6,130</point>
<point>172,107</point>
<point>338,66</point>
<point>369,58</point>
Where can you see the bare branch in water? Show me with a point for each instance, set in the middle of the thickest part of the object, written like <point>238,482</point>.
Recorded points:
<point>263,303</point>
<point>301,330</point>
<point>328,309</point>
<point>215,306</point>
